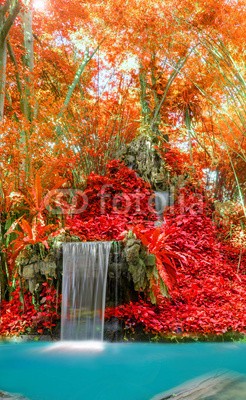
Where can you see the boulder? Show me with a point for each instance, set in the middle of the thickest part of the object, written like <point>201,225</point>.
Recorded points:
<point>7,396</point>
<point>48,268</point>
<point>150,260</point>
<point>141,155</point>
<point>30,271</point>
<point>132,254</point>
<point>221,386</point>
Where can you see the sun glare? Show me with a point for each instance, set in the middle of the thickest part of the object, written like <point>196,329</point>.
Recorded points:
<point>39,5</point>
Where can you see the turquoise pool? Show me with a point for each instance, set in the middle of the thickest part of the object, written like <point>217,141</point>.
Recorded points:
<point>119,372</point>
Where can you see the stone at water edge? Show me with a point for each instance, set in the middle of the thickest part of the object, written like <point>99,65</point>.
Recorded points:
<point>221,386</point>
<point>9,396</point>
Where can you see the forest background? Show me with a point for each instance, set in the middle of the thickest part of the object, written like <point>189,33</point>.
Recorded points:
<point>81,80</point>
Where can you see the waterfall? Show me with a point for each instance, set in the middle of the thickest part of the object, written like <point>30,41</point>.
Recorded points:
<point>162,200</point>
<point>85,267</point>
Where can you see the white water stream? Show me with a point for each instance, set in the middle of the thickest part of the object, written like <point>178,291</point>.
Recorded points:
<point>85,267</point>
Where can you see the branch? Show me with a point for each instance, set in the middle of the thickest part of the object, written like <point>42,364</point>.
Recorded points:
<point>5,7</point>
<point>10,20</point>
<point>78,74</point>
<point>13,59</point>
<point>172,77</point>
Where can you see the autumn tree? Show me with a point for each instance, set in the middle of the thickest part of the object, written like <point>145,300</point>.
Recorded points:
<point>83,79</point>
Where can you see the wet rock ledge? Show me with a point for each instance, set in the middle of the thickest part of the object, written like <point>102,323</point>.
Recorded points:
<point>221,386</point>
<point>7,396</point>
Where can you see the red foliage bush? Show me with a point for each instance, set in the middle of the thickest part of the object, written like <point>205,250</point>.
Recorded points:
<point>109,206</point>
<point>19,315</point>
<point>112,204</point>
<point>206,282</point>
<point>209,297</point>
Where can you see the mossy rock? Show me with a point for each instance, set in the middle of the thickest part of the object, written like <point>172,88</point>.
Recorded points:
<point>138,272</point>
<point>132,254</point>
<point>150,260</point>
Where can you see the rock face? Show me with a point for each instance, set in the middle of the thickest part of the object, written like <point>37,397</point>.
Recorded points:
<point>37,266</point>
<point>6,396</point>
<point>120,286</point>
<point>141,156</point>
<point>223,386</point>
<point>136,265</point>
<point>35,270</point>
<point>142,268</point>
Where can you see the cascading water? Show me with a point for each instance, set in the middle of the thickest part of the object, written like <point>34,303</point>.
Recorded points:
<point>162,200</point>
<point>85,267</point>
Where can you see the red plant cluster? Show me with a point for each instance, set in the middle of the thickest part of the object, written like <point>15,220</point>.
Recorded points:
<point>19,315</point>
<point>175,160</point>
<point>112,204</point>
<point>209,296</point>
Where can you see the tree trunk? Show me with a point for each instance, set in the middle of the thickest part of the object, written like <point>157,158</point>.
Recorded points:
<point>8,13</point>
<point>3,58</point>
<point>28,89</point>
<point>28,60</point>
<point>145,109</point>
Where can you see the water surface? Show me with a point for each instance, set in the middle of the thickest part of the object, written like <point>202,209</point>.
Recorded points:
<point>124,371</point>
